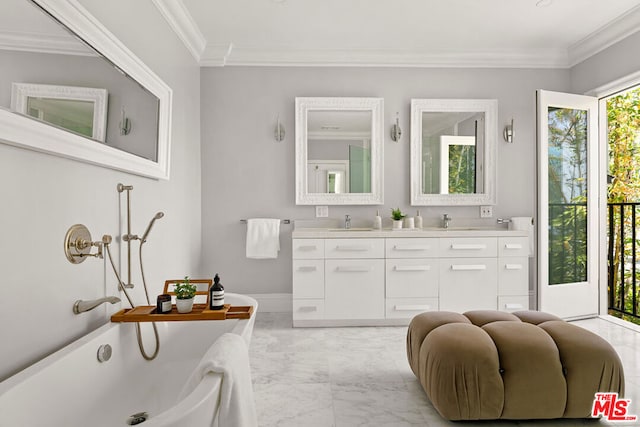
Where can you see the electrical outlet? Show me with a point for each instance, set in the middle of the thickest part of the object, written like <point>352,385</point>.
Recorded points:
<point>486,211</point>
<point>322,211</point>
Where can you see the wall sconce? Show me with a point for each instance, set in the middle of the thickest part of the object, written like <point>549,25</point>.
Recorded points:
<point>508,132</point>
<point>396,131</point>
<point>279,132</point>
<point>125,123</point>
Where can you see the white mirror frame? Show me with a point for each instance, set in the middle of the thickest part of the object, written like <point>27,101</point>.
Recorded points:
<point>21,92</point>
<point>490,108</point>
<point>376,107</point>
<point>28,133</point>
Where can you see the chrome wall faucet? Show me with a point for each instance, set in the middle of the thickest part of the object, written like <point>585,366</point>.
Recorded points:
<point>82,306</point>
<point>446,219</point>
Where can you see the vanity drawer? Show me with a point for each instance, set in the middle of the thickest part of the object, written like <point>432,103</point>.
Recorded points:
<point>353,248</point>
<point>513,275</point>
<point>354,289</point>
<point>513,303</point>
<point>411,278</point>
<point>308,248</point>
<point>513,246</point>
<point>468,247</point>
<point>308,309</point>
<point>407,308</point>
<point>412,248</point>
<point>308,276</point>
<point>468,284</point>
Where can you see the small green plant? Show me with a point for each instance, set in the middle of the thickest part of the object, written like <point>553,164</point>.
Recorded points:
<point>185,290</point>
<point>397,214</point>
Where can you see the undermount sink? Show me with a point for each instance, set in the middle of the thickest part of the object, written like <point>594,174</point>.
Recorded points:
<point>352,229</point>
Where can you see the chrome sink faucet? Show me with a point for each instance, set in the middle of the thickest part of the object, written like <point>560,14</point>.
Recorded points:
<point>446,219</point>
<point>347,222</point>
<point>82,306</point>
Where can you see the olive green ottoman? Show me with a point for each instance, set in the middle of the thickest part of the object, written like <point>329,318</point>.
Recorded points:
<point>526,365</point>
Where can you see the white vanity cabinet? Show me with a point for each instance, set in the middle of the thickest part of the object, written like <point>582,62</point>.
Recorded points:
<point>389,277</point>
<point>411,277</point>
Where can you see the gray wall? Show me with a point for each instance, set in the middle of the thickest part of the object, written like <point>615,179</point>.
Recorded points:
<point>617,61</point>
<point>245,173</point>
<point>43,195</point>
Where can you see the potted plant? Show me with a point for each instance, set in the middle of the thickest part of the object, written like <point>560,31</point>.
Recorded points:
<point>185,292</point>
<point>397,215</point>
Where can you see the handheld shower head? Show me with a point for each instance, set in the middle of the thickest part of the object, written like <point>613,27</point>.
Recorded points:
<point>146,232</point>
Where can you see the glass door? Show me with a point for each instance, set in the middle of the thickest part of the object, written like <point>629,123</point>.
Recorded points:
<point>567,204</point>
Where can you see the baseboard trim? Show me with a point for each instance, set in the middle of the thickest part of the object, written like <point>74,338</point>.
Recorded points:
<point>274,303</point>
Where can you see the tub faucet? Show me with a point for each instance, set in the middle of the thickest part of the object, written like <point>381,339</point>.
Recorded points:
<point>347,222</point>
<point>81,306</point>
<point>446,219</point>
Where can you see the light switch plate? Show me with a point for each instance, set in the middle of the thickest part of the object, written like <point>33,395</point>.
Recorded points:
<point>486,211</point>
<point>322,211</point>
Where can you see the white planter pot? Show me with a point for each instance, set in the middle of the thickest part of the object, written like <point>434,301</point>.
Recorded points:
<point>397,224</point>
<point>184,305</point>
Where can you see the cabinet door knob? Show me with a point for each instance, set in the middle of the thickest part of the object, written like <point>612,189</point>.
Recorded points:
<point>307,268</point>
<point>407,248</point>
<point>307,248</point>
<point>308,308</point>
<point>513,266</point>
<point>513,246</point>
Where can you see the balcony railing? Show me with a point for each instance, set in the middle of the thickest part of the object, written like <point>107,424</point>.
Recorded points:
<point>623,258</point>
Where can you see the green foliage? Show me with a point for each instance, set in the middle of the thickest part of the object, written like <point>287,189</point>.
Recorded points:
<point>185,290</point>
<point>397,214</point>
<point>623,128</point>
<point>462,169</point>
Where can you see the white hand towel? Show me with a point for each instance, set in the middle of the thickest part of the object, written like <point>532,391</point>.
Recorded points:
<point>228,356</point>
<point>263,238</point>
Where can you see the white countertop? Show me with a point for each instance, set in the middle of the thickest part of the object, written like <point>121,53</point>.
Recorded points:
<point>334,233</point>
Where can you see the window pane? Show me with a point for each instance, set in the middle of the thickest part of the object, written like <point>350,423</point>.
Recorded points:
<point>567,195</point>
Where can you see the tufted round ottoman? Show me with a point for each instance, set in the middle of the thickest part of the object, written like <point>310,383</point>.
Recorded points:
<point>526,365</point>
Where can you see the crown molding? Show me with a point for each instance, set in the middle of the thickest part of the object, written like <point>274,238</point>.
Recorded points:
<point>613,32</point>
<point>182,23</point>
<point>502,58</point>
<point>43,43</point>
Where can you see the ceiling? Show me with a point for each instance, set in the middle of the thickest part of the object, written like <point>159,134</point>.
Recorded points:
<point>425,33</point>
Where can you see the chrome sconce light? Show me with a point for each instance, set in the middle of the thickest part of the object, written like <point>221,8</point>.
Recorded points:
<point>279,132</point>
<point>396,131</point>
<point>507,133</point>
<point>125,123</point>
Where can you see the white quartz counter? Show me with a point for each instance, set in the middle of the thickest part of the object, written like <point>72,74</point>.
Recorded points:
<point>329,233</point>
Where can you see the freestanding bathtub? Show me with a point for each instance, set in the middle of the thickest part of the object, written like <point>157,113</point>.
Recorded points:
<point>72,388</point>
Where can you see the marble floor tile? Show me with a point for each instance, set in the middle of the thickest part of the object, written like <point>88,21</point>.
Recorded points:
<point>359,376</point>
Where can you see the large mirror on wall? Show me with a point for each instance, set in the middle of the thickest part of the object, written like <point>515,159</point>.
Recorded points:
<point>339,151</point>
<point>68,87</point>
<point>453,151</point>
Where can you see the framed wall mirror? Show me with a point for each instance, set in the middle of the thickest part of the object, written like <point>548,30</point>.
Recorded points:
<point>78,92</point>
<point>453,143</point>
<point>339,151</point>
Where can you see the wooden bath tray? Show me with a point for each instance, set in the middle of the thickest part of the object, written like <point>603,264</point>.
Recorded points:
<point>147,313</point>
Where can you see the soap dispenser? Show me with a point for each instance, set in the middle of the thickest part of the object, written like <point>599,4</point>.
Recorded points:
<point>418,221</point>
<point>216,294</point>
<point>377,221</point>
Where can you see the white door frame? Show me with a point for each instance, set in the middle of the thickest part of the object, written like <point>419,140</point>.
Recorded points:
<point>603,92</point>
<point>580,299</point>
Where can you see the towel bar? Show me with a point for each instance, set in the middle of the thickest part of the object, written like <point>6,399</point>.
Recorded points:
<point>284,221</point>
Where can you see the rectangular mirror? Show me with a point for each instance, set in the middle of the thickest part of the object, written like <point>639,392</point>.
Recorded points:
<point>71,89</point>
<point>453,151</point>
<point>339,151</point>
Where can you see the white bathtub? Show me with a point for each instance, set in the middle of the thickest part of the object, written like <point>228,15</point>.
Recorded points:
<point>72,388</point>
